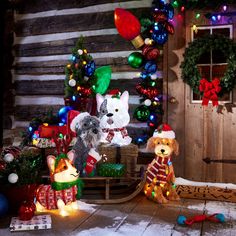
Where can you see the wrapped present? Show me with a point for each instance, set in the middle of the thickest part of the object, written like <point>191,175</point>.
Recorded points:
<point>111,170</point>
<point>37,222</point>
<point>51,130</point>
<point>126,155</point>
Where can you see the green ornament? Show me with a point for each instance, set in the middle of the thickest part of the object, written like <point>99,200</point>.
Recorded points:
<point>142,113</point>
<point>102,81</point>
<point>135,59</point>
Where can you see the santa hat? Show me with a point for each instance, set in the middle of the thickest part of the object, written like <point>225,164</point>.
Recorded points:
<point>114,93</point>
<point>164,131</point>
<point>77,119</point>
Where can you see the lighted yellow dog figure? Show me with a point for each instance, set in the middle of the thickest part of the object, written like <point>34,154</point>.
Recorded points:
<point>160,175</point>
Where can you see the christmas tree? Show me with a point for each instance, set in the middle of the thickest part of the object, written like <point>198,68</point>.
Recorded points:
<point>83,79</point>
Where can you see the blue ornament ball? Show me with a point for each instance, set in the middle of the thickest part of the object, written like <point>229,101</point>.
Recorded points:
<point>181,220</point>
<point>62,114</point>
<point>153,117</point>
<point>90,68</point>
<point>169,11</point>
<point>220,217</point>
<point>160,34</point>
<point>144,75</point>
<point>3,205</point>
<point>150,67</point>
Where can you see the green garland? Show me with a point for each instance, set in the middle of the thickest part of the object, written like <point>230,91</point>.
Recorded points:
<point>197,48</point>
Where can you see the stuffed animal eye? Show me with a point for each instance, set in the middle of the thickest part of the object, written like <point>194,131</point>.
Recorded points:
<point>116,110</point>
<point>158,143</point>
<point>167,144</point>
<point>85,124</point>
<point>103,111</point>
<point>64,167</point>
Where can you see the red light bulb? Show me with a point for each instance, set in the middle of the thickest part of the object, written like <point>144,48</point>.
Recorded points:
<point>128,26</point>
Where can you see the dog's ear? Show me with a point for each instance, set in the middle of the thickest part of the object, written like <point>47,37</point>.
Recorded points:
<point>176,147</point>
<point>100,99</point>
<point>71,155</point>
<point>125,99</point>
<point>151,144</point>
<point>51,162</point>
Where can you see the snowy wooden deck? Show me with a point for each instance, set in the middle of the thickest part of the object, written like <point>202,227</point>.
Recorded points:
<point>137,217</point>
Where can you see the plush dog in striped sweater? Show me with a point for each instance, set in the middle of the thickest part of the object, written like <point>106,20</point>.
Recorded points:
<point>160,181</point>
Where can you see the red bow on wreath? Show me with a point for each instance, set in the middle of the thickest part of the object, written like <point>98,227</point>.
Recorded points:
<point>210,90</point>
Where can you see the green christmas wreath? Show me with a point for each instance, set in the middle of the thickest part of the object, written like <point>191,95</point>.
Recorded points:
<point>197,48</point>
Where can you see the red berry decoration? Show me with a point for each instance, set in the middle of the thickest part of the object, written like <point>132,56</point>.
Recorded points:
<point>2,165</point>
<point>26,211</point>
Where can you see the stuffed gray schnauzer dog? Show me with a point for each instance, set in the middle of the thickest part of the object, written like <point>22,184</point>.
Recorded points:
<point>88,134</point>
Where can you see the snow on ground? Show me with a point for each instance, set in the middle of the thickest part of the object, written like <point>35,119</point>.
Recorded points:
<point>181,181</point>
<point>99,232</point>
<point>86,207</point>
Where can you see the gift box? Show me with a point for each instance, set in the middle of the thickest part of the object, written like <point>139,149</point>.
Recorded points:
<point>37,222</point>
<point>111,170</point>
<point>51,130</point>
<point>126,155</point>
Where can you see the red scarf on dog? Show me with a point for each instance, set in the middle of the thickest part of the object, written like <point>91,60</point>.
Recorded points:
<point>111,133</point>
<point>159,169</point>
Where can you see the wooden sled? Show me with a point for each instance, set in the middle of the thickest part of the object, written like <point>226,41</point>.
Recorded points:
<point>111,190</point>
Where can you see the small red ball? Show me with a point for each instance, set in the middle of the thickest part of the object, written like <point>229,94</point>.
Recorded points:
<point>150,53</point>
<point>26,210</point>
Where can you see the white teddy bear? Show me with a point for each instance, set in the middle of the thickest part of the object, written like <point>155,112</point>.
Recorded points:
<point>114,117</point>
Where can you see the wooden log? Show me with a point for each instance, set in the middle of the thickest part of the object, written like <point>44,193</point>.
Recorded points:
<point>70,23</point>
<point>27,113</point>
<point>44,5</point>
<point>58,67</point>
<point>56,87</point>
<point>103,43</point>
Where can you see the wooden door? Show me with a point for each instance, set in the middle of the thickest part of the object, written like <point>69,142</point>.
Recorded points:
<point>201,131</point>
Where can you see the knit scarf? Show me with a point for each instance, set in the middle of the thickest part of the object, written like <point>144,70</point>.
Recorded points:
<point>111,133</point>
<point>163,160</point>
<point>65,185</point>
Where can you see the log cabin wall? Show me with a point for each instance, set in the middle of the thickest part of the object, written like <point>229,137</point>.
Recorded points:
<point>46,32</point>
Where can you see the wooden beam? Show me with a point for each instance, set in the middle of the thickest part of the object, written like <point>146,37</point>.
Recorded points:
<point>103,43</point>
<point>44,5</point>
<point>80,22</point>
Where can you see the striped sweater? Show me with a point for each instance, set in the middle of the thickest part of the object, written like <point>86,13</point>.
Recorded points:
<point>159,169</point>
<point>48,197</point>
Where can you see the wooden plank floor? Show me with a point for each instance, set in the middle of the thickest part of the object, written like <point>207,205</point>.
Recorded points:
<point>139,217</point>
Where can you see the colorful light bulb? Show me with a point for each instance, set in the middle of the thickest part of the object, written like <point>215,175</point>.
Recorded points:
<point>213,18</point>
<point>128,26</point>
<point>198,15</point>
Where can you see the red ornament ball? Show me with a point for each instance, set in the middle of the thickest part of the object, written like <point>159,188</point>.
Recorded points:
<point>26,210</point>
<point>150,53</point>
<point>160,16</point>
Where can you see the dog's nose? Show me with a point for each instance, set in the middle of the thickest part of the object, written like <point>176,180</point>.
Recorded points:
<point>109,114</point>
<point>162,150</point>
<point>95,131</point>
